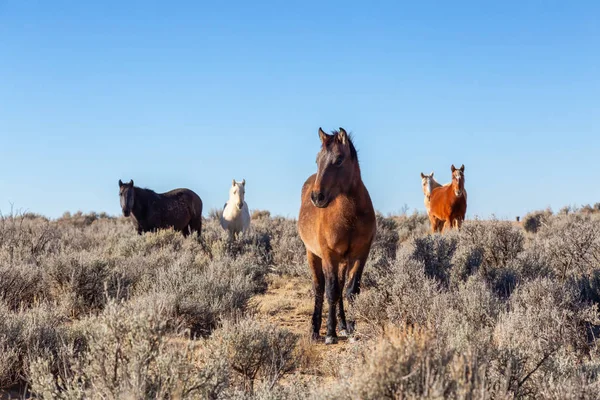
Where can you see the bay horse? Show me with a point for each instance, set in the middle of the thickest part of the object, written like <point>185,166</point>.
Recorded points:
<point>180,209</point>
<point>337,225</point>
<point>236,215</point>
<point>448,203</point>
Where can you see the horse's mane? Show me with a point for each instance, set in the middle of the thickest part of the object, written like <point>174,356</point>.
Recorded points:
<point>145,193</point>
<point>353,152</point>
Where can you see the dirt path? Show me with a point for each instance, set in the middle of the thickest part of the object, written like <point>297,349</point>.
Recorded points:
<point>288,303</point>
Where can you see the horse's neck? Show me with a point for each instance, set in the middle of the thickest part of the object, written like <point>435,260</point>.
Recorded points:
<point>140,203</point>
<point>231,209</point>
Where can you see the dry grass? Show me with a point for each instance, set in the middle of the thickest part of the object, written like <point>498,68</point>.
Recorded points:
<point>89,309</point>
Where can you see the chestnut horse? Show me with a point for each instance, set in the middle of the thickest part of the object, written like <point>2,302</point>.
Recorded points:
<point>337,225</point>
<point>448,203</point>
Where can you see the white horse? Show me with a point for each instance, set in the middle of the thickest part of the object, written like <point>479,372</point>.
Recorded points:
<point>236,216</point>
<point>429,183</point>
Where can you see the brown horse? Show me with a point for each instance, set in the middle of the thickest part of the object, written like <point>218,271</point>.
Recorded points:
<point>448,203</point>
<point>337,225</point>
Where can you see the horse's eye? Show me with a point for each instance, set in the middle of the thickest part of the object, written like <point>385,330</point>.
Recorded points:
<point>339,161</point>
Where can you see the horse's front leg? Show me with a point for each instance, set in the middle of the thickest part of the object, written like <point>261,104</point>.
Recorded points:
<point>332,290</point>
<point>316,267</point>
<point>448,225</point>
<point>341,313</point>
<point>434,223</point>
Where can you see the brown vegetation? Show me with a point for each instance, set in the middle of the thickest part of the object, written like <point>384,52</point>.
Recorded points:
<point>89,309</point>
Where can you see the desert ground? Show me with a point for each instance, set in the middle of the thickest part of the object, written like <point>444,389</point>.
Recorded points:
<point>497,310</point>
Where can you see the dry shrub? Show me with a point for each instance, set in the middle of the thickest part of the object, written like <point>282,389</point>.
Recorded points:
<point>383,249</point>
<point>488,311</point>
<point>414,225</point>
<point>533,221</point>
<point>257,351</point>
<point>289,254</point>
<point>405,364</point>
<point>26,335</point>
<point>571,245</point>
<point>128,356</point>
<point>435,252</point>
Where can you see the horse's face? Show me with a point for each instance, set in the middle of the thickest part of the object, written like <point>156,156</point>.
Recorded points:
<point>335,168</point>
<point>237,192</point>
<point>426,183</point>
<point>126,194</point>
<point>458,179</point>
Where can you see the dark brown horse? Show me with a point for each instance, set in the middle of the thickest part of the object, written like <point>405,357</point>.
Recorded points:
<point>180,209</point>
<point>337,225</point>
<point>448,203</point>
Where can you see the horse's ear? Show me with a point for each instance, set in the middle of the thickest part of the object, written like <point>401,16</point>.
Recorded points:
<point>322,135</point>
<point>462,168</point>
<point>431,174</point>
<point>343,136</point>
<point>452,168</point>
<point>233,182</point>
<point>422,175</point>
<point>243,182</point>
<point>120,183</point>
<point>131,182</point>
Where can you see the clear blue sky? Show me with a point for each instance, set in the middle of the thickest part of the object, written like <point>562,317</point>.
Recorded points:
<point>192,94</point>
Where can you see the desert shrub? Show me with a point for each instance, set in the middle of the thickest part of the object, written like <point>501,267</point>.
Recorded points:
<point>501,241</point>
<point>289,253</point>
<point>436,253</point>
<point>26,335</point>
<point>27,240</point>
<point>20,285</point>
<point>485,311</point>
<point>469,315</point>
<point>466,261</point>
<point>383,249</point>
<point>404,294</point>
<point>405,364</point>
<point>543,333</point>
<point>257,351</point>
<point>261,214</point>
<point>533,221</point>
<point>128,356</point>
<point>571,245</point>
<point>415,224</point>
<point>84,283</point>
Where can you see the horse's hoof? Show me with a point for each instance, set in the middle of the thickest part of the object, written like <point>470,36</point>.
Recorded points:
<point>331,340</point>
<point>343,333</point>
<point>315,337</point>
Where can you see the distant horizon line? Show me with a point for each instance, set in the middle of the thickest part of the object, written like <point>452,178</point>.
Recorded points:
<point>21,212</point>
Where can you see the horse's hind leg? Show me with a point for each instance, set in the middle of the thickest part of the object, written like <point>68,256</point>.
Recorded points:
<point>196,226</point>
<point>353,289</point>
<point>341,314</point>
<point>316,267</point>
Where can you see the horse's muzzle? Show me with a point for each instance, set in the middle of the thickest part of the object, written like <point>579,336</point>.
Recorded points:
<point>240,206</point>
<point>126,213</point>
<point>319,199</point>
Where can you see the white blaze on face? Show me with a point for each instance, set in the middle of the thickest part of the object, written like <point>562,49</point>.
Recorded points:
<point>427,183</point>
